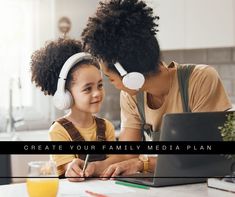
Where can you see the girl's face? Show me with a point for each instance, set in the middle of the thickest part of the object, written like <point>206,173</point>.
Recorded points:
<point>87,89</point>
<point>115,79</point>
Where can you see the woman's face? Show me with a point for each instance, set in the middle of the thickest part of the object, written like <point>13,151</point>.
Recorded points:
<point>115,79</point>
<point>87,89</point>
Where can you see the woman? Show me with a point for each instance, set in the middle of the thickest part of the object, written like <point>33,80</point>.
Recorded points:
<point>122,36</point>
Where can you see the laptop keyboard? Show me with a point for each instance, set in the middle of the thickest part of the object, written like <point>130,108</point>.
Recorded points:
<point>138,177</point>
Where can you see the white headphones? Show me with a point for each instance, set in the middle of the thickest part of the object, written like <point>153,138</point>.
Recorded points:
<point>132,80</point>
<point>62,98</point>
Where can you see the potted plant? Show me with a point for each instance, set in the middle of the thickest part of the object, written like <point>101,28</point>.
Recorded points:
<point>228,134</point>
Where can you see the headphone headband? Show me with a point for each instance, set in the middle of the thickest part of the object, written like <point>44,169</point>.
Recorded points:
<point>62,97</point>
<point>132,80</point>
<point>71,61</point>
<point>120,69</point>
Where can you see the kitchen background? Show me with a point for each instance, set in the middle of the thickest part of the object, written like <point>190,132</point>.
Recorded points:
<point>190,31</point>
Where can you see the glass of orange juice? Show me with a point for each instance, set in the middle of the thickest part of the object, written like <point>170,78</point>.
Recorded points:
<point>42,179</point>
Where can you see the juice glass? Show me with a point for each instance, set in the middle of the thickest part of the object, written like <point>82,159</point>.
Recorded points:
<point>42,179</point>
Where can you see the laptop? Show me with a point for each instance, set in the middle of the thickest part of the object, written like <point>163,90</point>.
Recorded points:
<point>187,168</point>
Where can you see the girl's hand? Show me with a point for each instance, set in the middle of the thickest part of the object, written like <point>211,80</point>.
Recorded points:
<point>74,170</point>
<point>90,169</point>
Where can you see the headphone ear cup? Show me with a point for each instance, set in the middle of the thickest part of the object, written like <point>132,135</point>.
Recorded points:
<point>133,80</point>
<point>68,100</point>
<point>62,100</point>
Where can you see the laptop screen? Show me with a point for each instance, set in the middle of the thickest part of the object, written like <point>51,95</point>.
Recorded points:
<point>181,169</point>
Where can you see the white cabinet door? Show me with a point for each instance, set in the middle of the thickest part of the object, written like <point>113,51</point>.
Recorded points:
<point>171,24</point>
<point>191,24</point>
<point>209,23</point>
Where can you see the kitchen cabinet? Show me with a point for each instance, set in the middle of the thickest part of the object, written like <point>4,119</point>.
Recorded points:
<point>171,24</point>
<point>194,24</point>
<point>209,23</point>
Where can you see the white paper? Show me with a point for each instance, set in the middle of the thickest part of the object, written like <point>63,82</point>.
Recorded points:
<point>69,189</point>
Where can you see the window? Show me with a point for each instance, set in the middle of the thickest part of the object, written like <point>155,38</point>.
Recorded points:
<point>20,36</point>
<point>16,45</point>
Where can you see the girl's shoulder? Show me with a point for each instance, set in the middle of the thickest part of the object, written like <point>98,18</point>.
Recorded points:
<point>107,122</point>
<point>56,127</point>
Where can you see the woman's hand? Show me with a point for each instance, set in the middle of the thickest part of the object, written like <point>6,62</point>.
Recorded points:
<point>126,167</point>
<point>74,170</point>
<point>96,168</point>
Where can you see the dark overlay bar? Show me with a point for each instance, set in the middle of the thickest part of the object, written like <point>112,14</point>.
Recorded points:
<point>123,147</point>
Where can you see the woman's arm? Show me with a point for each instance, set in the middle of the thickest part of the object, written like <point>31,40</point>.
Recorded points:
<point>97,168</point>
<point>122,164</point>
<point>127,167</point>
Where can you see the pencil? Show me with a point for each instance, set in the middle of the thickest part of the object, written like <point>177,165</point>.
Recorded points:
<point>132,185</point>
<point>85,164</point>
<point>95,194</point>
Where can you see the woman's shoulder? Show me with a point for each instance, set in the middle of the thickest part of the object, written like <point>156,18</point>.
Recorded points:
<point>125,97</point>
<point>204,71</point>
<point>204,67</point>
<point>199,71</point>
<point>199,68</point>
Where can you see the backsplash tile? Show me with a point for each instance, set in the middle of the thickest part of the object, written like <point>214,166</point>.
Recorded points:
<point>177,56</point>
<point>228,85</point>
<point>233,55</point>
<point>222,55</point>
<point>233,91</point>
<point>197,56</point>
<point>226,71</point>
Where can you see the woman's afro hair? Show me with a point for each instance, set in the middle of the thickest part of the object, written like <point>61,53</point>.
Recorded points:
<point>124,31</point>
<point>47,62</point>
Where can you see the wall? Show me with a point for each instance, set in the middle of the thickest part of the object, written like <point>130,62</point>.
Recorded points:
<point>77,11</point>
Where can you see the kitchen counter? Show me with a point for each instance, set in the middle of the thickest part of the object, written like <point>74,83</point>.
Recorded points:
<point>18,164</point>
<point>37,135</point>
<point>109,188</point>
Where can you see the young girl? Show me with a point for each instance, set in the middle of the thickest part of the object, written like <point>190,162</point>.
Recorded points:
<point>60,69</point>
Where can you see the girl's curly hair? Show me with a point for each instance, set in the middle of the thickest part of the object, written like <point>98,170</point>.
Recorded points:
<point>47,62</point>
<point>124,31</point>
